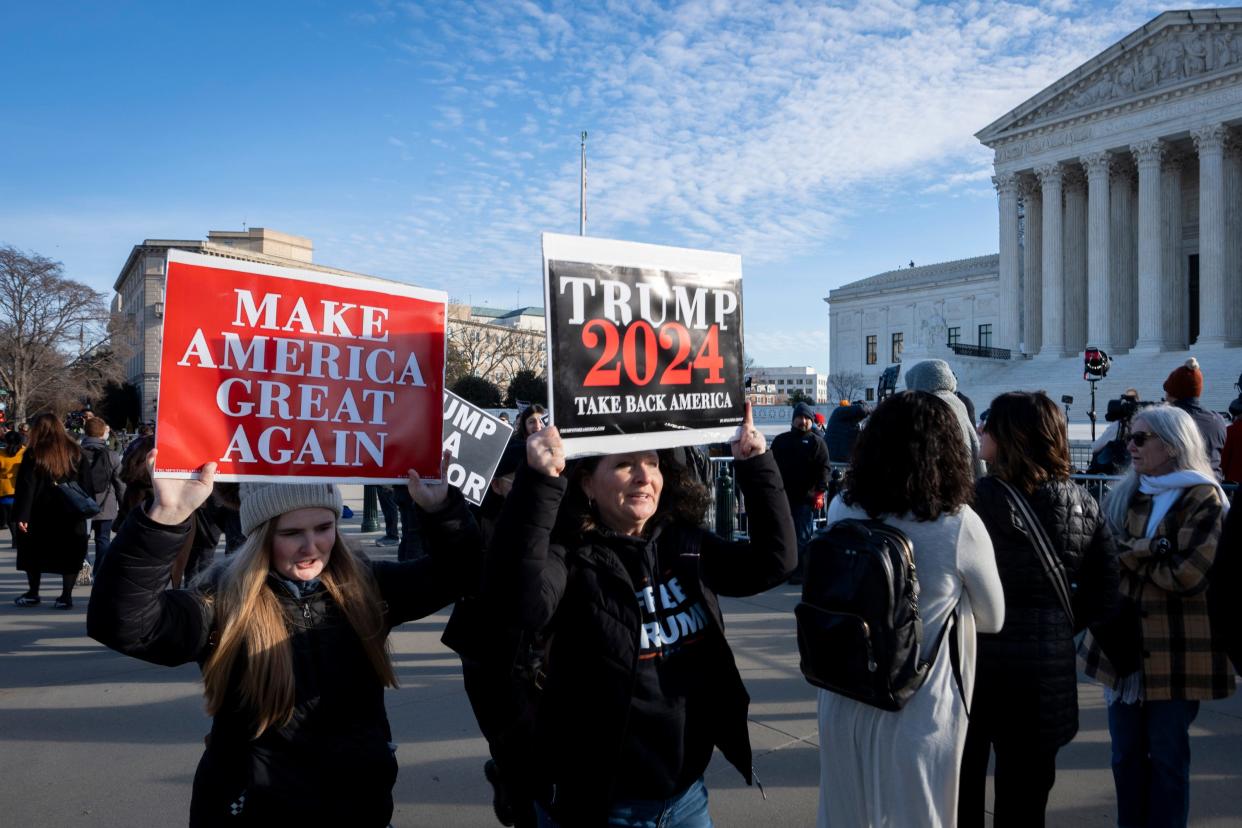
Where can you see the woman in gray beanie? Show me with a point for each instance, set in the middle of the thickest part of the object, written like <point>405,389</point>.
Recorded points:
<point>936,377</point>
<point>291,634</point>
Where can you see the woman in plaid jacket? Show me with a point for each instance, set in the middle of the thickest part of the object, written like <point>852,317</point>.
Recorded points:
<point>1166,516</point>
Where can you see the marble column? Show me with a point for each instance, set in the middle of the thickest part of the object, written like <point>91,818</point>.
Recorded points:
<point>1053,256</point>
<point>1210,142</point>
<point>1010,255</point>
<point>1099,248</point>
<point>1123,256</point>
<point>1032,264</point>
<point>1174,302</point>
<point>1147,155</point>
<point>1075,275</point>
<point>1233,240</point>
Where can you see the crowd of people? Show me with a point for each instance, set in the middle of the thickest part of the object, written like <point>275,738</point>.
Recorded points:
<point>586,611</point>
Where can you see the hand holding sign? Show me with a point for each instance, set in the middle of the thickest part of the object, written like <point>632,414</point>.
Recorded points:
<point>748,442</point>
<point>545,453</point>
<point>176,498</point>
<point>431,498</point>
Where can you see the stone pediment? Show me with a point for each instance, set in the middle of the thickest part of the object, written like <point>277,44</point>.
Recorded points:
<point>1174,51</point>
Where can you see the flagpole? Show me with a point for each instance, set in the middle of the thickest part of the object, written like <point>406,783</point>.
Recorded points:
<point>582,187</point>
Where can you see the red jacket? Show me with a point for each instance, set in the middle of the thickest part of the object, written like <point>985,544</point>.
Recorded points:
<point>1231,454</point>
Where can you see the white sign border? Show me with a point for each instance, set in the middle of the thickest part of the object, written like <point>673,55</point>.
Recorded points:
<point>177,256</point>
<point>705,264</point>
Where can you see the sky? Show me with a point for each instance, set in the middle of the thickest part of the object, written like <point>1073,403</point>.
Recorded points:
<point>432,142</point>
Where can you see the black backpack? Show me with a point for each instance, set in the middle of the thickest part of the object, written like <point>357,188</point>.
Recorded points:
<point>95,470</point>
<point>859,629</point>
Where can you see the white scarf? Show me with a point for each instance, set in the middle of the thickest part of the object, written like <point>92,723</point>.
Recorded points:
<point>1167,488</point>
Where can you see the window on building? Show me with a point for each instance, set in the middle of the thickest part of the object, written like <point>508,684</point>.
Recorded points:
<point>955,336</point>
<point>985,336</point>
<point>898,345</point>
<point>870,395</point>
<point>871,346</point>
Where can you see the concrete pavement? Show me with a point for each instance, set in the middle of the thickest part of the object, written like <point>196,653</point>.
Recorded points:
<point>89,737</point>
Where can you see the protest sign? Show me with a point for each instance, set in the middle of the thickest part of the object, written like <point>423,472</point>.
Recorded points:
<point>278,373</point>
<point>644,344</point>
<point>476,439</point>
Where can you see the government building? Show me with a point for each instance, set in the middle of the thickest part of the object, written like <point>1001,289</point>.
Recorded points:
<point>1120,205</point>
<point>492,343</point>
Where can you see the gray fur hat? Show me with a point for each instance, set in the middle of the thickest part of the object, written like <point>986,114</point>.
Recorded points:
<point>931,375</point>
<point>260,502</point>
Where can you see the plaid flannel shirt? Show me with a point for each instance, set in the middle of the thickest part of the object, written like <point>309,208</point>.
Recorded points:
<point>1180,659</point>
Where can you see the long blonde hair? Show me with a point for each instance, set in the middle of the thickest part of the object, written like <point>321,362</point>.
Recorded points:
<point>252,624</point>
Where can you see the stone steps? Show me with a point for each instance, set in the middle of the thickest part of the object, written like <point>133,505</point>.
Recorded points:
<point>984,379</point>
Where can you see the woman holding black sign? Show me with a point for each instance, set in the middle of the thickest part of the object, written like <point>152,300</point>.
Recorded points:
<point>291,635</point>
<point>638,684</point>
<point>51,535</point>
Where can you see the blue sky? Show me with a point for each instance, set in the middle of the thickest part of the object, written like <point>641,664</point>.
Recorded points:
<point>432,142</point>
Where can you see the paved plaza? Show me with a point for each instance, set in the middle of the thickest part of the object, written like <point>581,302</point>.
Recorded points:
<point>89,737</point>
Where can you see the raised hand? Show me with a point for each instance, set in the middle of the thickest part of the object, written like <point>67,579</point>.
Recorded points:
<point>545,453</point>
<point>431,497</point>
<point>176,499</point>
<point>748,441</point>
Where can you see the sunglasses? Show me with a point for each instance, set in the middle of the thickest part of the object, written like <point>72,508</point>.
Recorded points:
<point>1141,437</point>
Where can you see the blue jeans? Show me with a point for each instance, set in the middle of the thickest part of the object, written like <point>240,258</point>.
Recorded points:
<point>1151,762</point>
<point>103,538</point>
<point>687,809</point>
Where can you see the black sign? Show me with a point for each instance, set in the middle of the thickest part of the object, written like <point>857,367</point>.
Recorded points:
<point>477,439</point>
<point>649,355</point>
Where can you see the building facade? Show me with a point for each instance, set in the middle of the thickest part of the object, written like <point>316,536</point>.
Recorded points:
<point>140,290</point>
<point>1120,195</point>
<point>876,322</point>
<point>772,385</point>
<point>1120,227</point>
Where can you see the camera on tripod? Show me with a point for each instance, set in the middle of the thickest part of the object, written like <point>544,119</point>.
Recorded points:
<point>1124,408</point>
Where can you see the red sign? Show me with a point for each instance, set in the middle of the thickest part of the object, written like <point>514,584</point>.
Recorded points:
<point>276,373</point>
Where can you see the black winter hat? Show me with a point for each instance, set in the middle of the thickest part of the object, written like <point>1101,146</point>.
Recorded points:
<point>804,410</point>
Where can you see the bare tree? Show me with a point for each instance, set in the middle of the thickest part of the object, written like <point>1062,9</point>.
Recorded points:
<point>847,385</point>
<point>55,336</point>
<point>494,352</point>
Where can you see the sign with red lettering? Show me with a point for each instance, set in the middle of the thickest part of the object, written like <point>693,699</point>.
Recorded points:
<point>644,344</point>
<point>277,373</point>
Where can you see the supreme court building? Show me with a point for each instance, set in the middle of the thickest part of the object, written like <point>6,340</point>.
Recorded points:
<point>1120,199</point>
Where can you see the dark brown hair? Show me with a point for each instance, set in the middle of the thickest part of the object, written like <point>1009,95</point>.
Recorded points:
<point>1029,432</point>
<point>682,497</point>
<point>910,459</point>
<point>51,447</point>
<point>532,410</point>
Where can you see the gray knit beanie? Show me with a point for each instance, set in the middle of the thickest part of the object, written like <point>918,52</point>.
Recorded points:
<point>260,502</point>
<point>931,375</point>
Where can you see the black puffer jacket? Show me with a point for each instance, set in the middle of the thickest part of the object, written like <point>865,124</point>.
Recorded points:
<point>844,426</point>
<point>584,597</point>
<point>1026,682</point>
<point>333,763</point>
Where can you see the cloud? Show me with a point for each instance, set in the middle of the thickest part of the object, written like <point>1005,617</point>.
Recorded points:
<point>762,128</point>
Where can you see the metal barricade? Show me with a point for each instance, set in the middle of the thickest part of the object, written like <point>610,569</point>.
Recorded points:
<point>728,521</point>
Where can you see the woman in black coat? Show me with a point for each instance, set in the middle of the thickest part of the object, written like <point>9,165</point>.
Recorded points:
<point>1025,702</point>
<point>638,682</point>
<point>51,537</point>
<point>290,633</point>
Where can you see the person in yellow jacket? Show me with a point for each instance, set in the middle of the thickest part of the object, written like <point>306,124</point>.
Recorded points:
<point>10,458</point>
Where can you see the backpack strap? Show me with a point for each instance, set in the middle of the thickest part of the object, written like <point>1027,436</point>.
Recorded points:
<point>1052,565</point>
